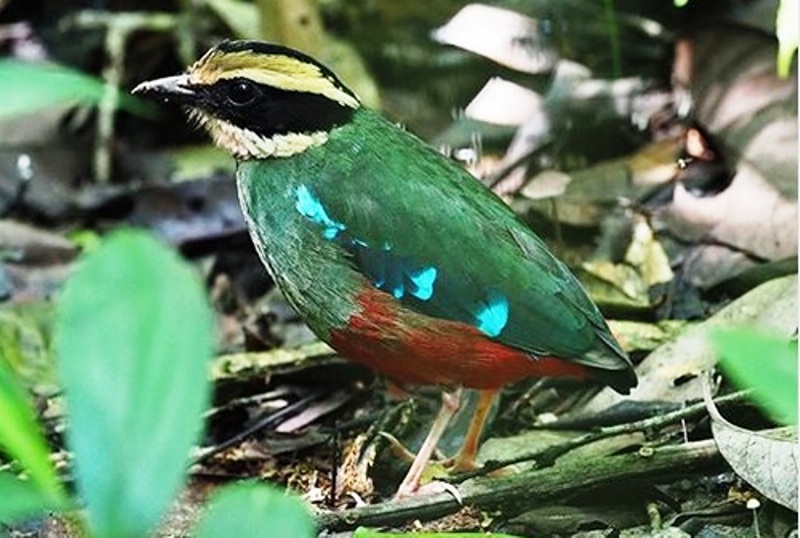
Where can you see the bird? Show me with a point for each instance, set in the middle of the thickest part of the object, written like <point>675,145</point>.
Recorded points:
<point>391,252</point>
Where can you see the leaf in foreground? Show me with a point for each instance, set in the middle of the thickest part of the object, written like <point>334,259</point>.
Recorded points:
<point>255,510</point>
<point>134,336</point>
<point>23,499</point>
<point>21,438</point>
<point>765,363</point>
<point>26,87</point>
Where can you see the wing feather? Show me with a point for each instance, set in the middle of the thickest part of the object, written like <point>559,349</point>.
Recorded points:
<point>445,246</point>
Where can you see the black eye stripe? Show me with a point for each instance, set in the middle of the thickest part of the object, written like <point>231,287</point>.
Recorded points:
<point>270,111</point>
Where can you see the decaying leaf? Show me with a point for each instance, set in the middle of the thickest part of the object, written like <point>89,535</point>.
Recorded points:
<point>504,36</point>
<point>750,215</point>
<point>502,102</point>
<point>670,373</point>
<point>767,460</point>
<point>621,276</point>
<point>546,184</point>
<point>731,76</point>
<point>645,265</point>
<point>592,191</point>
<point>641,336</point>
<point>647,255</point>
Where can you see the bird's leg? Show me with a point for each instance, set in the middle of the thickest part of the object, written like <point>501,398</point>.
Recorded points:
<point>450,404</point>
<point>465,459</point>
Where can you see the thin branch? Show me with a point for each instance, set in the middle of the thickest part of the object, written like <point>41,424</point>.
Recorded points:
<point>514,494</point>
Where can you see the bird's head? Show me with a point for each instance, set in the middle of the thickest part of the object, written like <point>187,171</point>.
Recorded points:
<point>259,100</point>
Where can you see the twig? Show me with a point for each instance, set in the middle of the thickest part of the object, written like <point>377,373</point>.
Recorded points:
<point>513,494</point>
<point>264,422</point>
<point>118,27</point>
<point>548,456</point>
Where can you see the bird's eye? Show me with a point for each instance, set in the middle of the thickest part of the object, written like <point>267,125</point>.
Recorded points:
<point>242,92</point>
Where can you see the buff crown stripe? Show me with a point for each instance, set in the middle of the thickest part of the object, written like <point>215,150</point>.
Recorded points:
<point>278,71</point>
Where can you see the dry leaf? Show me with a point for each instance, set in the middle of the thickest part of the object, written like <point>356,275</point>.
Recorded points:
<point>504,36</point>
<point>502,102</point>
<point>647,255</point>
<point>771,306</point>
<point>766,460</point>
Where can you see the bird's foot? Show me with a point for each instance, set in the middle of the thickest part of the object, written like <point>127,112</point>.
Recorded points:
<point>458,464</point>
<point>437,486</point>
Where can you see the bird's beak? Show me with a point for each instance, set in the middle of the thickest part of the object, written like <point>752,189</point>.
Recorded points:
<point>175,89</point>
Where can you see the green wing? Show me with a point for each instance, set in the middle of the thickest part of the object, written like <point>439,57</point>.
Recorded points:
<point>423,230</point>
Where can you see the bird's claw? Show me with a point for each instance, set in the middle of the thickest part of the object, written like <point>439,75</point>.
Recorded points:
<point>437,486</point>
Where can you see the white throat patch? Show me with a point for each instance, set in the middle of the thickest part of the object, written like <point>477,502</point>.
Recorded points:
<point>246,144</point>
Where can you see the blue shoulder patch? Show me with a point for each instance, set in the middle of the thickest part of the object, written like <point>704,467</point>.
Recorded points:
<point>492,316</point>
<point>309,206</point>
<point>388,271</point>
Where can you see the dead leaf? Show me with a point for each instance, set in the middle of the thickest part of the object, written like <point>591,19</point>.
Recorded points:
<point>641,336</point>
<point>315,410</point>
<point>647,255</point>
<point>546,184</point>
<point>736,95</point>
<point>502,102</point>
<point>771,306</point>
<point>504,36</point>
<point>750,215</point>
<point>767,460</point>
<point>621,277</point>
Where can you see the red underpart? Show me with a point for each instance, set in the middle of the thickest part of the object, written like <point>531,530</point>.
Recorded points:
<point>416,349</point>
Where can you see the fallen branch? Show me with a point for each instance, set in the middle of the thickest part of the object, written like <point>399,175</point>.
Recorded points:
<point>513,494</point>
<point>548,456</point>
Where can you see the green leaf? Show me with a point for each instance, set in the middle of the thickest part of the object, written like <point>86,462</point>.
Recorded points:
<point>27,87</point>
<point>134,337</point>
<point>20,436</point>
<point>23,499</point>
<point>786,31</point>
<point>765,363</point>
<point>26,329</point>
<point>255,510</point>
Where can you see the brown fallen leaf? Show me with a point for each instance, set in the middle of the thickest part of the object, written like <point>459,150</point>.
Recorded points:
<point>497,34</point>
<point>671,373</point>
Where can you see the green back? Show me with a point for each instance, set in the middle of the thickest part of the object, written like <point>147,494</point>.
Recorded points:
<point>376,206</point>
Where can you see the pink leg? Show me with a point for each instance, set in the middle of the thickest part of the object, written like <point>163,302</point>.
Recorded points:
<point>450,403</point>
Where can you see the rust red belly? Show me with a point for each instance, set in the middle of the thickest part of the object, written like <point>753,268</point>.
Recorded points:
<point>415,349</point>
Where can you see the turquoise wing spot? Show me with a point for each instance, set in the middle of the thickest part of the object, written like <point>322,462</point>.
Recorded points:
<point>398,290</point>
<point>492,316</point>
<point>393,273</point>
<point>423,280</point>
<point>309,206</point>
<point>390,272</point>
